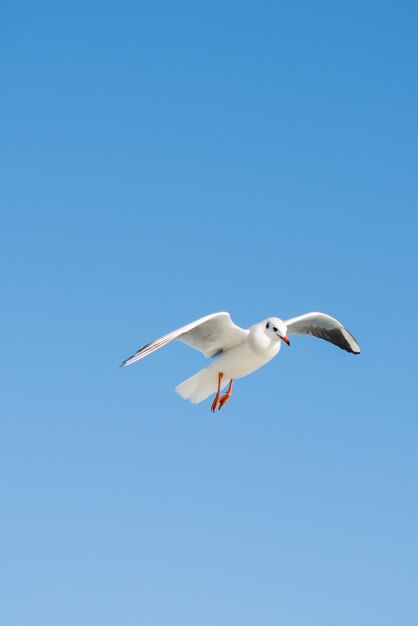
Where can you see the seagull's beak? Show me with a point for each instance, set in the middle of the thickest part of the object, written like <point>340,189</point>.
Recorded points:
<point>286,340</point>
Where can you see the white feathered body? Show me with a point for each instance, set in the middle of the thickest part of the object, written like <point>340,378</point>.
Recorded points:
<point>236,362</point>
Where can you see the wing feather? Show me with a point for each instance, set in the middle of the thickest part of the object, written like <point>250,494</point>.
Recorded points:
<point>325,327</point>
<point>211,335</point>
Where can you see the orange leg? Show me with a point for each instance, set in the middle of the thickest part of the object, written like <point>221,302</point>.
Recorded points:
<point>218,394</point>
<point>227,395</point>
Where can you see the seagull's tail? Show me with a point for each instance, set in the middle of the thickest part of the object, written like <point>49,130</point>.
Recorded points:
<point>198,387</point>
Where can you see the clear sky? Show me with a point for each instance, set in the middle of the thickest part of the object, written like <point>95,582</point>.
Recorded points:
<point>161,161</point>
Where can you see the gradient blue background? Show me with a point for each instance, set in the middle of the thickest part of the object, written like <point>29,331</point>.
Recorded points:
<point>161,161</point>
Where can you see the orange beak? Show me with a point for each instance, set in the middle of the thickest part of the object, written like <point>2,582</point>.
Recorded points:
<point>286,340</point>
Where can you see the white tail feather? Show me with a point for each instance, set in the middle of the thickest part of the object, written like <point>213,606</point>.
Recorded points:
<point>198,387</point>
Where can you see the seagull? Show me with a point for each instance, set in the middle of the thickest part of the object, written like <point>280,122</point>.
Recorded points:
<point>237,352</point>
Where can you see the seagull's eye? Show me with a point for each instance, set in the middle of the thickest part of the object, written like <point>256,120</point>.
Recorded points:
<point>268,325</point>
<point>275,329</point>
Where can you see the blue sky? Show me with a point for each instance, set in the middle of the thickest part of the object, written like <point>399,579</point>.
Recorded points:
<point>162,161</point>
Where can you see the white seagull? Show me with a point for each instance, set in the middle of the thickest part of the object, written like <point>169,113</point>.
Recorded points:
<point>238,351</point>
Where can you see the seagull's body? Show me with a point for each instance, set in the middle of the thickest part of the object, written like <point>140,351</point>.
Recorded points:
<point>243,359</point>
<point>240,351</point>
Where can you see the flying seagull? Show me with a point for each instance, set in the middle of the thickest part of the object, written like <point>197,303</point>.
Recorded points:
<point>238,351</point>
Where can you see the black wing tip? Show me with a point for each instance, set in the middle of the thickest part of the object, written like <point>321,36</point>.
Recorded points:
<point>350,342</point>
<point>129,361</point>
<point>349,349</point>
<point>355,350</point>
<point>125,363</point>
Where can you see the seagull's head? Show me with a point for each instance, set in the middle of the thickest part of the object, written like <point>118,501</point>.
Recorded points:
<point>275,327</point>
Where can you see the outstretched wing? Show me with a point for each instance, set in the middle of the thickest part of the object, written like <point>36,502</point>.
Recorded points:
<point>211,335</point>
<point>324,327</point>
